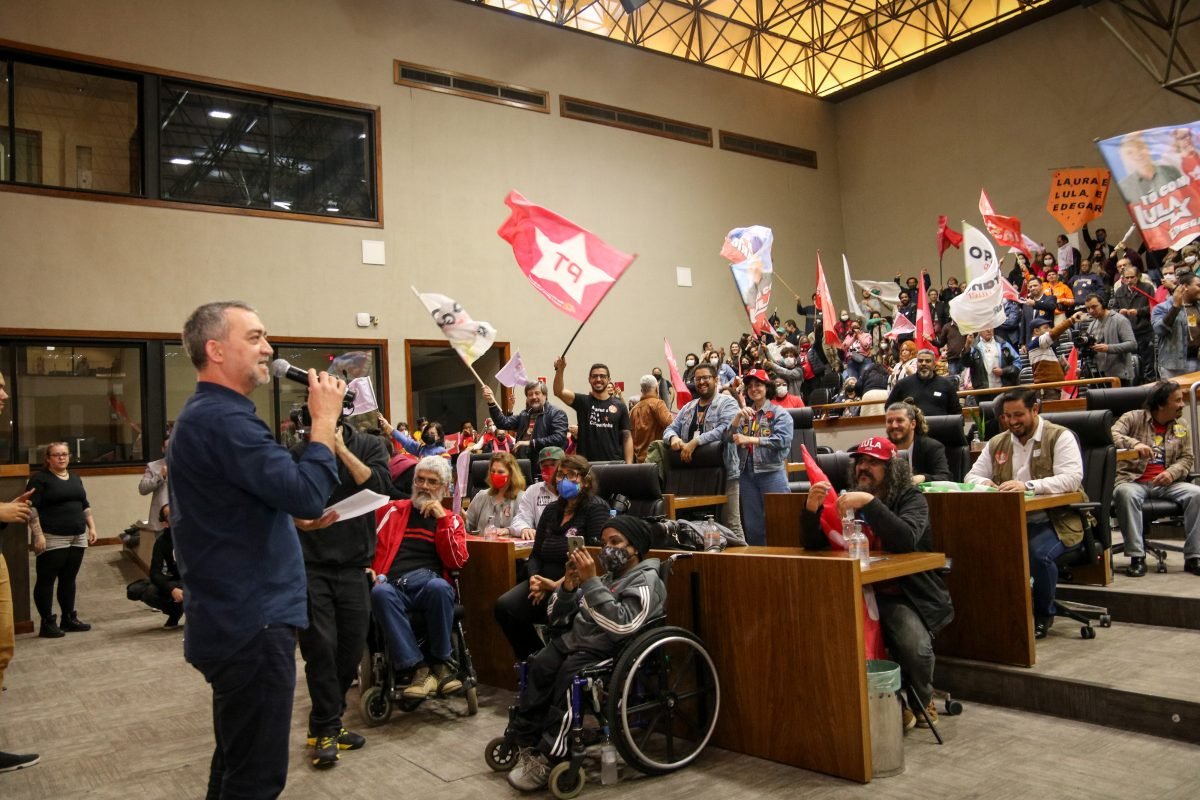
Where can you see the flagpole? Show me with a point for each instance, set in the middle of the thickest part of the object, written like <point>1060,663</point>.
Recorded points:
<point>452,347</point>
<point>781,280</point>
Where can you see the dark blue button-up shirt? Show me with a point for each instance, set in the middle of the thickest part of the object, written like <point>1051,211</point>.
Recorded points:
<point>234,491</point>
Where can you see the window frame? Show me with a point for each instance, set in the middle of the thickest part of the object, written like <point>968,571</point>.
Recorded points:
<point>154,391</point>
<point>149,80</point>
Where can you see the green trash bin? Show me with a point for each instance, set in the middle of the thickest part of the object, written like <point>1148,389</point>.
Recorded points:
<point>887,726</point>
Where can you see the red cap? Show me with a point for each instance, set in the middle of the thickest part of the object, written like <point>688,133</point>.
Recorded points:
<point>758,375</point>
<point>875,447</point>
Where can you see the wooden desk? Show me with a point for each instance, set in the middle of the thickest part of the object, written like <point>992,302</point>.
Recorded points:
<point>771,660</point>
<point>491,571</point>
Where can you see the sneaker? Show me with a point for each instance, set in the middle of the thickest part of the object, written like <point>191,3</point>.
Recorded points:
<point>1192,565</point>
<point>346,740</point>
<point>325,752</point>
<point>10,762</point>
<point>909,719</point>
<point>532,771</point>
<point>447,681</point>
<point>1137,567</point>
<point>931,713</point>
<point>1042,626</point>
<point>50,629</point>
<point>72,624</point>
<point>423,684</point>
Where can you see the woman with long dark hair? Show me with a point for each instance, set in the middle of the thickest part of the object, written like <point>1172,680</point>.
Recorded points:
<point>62,528</point>
<point>577,512</point>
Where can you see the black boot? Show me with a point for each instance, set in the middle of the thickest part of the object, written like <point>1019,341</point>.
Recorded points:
<point>71,624</point>
<point>1137,567</point>
<point>50,629</point>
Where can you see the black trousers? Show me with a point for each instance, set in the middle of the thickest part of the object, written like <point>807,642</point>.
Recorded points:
<point>543,717</point>
<point>61,566</point>
<point>252,716</point>
<point>163,602</point>
<point>517,615</point>
<point>332,645</point>
<point>1146,362</point>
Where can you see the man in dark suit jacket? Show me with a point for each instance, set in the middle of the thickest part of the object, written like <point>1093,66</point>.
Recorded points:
<point>906,429</point>
<point>539,425</point>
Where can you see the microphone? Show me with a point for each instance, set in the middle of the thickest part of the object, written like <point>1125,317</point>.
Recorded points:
<point>280,368</point>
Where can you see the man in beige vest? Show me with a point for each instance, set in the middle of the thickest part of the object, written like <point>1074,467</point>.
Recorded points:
<point>1037,457</point>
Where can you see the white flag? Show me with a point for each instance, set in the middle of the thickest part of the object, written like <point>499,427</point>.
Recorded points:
<point>470,338</point>
<point>513,374</point>
<point>851,301</point>
<point>900,326</point>
<point>364,395</point>
<point>978,253</point>
<point>981,304</point>
<point>886,291</point>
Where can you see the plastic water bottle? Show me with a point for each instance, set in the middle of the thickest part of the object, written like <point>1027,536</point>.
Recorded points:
<point>489,532</point>
<point>712,534</point>
<point>608,765</point>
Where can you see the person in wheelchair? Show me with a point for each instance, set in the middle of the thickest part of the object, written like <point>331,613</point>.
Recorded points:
<point>590,615</point>
<point>419,541</point>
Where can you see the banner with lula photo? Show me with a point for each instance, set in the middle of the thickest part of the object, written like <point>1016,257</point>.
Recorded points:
<point>748,251</point>
<point>1158,173</point>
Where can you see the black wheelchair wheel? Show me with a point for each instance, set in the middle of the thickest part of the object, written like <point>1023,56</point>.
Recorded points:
<point>663,700</point>
<point>566,783</point>
<point>501,754</point>
<point>375,706</point>
<point>472,701</point>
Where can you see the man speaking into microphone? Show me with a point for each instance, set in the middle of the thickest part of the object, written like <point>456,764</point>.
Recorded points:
<point>234,491</point>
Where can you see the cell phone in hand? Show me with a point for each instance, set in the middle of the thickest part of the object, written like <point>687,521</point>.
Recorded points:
<point>574,543</point>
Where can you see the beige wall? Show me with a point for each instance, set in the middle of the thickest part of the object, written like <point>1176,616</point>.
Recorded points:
<point>1001,116</point>
<point>448,162</point>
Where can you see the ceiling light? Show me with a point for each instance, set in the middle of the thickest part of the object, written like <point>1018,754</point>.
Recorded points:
<point>183,162</point>
<point>220,114</point>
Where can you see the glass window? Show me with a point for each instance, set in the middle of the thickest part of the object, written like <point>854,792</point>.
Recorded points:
<point>322,162</point>
<point>76,130</point>
<point>87,395</point>
<point>214,148</point>
<point>179,377</point>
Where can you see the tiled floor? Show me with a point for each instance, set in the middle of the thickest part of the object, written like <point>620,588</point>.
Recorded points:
<point>116,713</point>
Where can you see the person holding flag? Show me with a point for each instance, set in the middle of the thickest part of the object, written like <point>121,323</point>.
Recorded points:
<point>604,430</point>
<point>539,425</point>
<point>895,519</point>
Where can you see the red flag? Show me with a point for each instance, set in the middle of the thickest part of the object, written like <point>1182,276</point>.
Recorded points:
<point>1005,230</point>
<point>682,395</point>
<point>573,268</point>
<point>831,526</point>
<point>831,523</point>
<point>947,236</point>
<point>924,337</point>
<point>825,306</point>
<point>1072,374</point>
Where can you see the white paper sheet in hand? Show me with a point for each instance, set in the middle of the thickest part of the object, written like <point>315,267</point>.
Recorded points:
<point>357,504</point>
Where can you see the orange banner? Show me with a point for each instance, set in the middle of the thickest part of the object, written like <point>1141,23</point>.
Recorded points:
<point>1077,196</point>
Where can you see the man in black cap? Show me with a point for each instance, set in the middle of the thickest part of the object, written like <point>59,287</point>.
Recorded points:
<point>598,612</point>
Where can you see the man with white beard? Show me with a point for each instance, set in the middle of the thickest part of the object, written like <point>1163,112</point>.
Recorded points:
<point>419,541</point>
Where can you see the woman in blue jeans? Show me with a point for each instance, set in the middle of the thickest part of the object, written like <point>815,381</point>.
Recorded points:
<point>763,434</point>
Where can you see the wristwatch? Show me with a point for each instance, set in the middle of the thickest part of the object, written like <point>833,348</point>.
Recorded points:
<point>1029,486</point>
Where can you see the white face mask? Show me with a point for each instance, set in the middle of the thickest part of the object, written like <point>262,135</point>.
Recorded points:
<point>789,362</point>
<point>1189,259</point>
<point>1048,262</point>
<point>781,391</point>
<point>691,362</point>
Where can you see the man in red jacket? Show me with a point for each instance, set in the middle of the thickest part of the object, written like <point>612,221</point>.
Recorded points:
<point>418,542</point>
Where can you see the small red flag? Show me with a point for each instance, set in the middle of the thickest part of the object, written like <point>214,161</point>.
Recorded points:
<point>573,268</point>
<point>1005,230</point>
<point>1072,374</point>
<point>825,303</point>
<point>682,395</point>
<point>947,236</point>
<point>924,337</point>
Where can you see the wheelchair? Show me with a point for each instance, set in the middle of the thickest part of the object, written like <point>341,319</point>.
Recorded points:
<point>657,700</point>
<point>379,690</point>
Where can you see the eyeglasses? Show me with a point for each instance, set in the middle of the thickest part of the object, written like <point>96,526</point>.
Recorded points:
<point>702,378</point>
<point>433,482</point>
<point>569,474</point>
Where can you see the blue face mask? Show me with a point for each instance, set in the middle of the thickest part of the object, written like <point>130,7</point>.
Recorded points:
<point>568,489</point>
<point>614,559</point>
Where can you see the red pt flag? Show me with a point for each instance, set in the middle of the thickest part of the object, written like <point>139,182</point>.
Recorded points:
<point>924,337</point>
<point>1005,230</point>
<point>825,302</point>
<point>947,236</point>
<point>572,267</point>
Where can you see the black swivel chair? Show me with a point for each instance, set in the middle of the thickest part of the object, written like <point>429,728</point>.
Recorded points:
<point>478,471</point>
<point>1156,510</point>
<point>697,486</point>
<point>1093,431</point>
<point>803,432</point>
<point>639,484</point>
<point>948,430</point>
